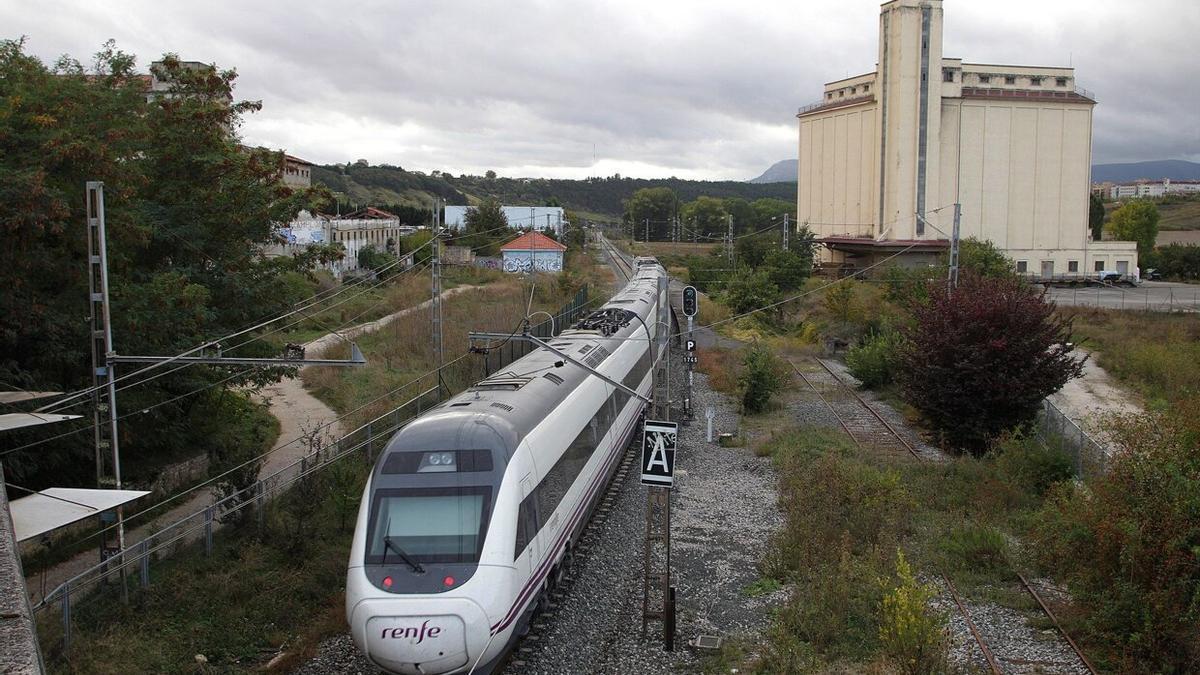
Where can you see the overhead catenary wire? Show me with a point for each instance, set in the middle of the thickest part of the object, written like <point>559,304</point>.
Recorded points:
<point>84,392</point>
<point>264,455</point>
<point>62,403</point>
<point>198,390</point>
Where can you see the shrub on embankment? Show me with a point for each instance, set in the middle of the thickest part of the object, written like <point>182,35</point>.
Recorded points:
<point>978,361</point>
<point>1128,543</point>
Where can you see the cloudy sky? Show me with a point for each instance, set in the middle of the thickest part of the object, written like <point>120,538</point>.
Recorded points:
<point>695,89</point>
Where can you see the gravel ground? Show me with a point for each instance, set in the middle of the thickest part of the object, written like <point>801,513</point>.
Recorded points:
<point>1018,647</point>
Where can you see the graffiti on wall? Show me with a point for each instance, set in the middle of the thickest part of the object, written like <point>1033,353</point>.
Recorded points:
<point>539,265</point>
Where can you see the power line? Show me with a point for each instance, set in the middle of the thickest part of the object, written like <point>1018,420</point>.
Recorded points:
<point>58,405</point>
<point>193,392</point>
<point>269,452</point>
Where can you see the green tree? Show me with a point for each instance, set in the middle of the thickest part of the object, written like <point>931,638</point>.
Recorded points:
<point>768,210</point>
<point>788,269</point>
<point>1096,216</point>
<point>485,229</point>
<point>658,205</point>
<point>1136,221</point>
<point>743,214</point>
<point>706,216</point>
<point>187,209</point>
<point>753,250</point>
<point>983,258</point>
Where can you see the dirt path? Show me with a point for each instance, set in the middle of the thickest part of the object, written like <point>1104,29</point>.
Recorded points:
<point>1088,399</point>
<point>297,411</point>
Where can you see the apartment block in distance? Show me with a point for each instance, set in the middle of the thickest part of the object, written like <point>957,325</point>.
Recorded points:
<point>885,155</point>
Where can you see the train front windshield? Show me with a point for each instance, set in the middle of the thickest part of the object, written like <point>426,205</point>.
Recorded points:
<point>430,525</point>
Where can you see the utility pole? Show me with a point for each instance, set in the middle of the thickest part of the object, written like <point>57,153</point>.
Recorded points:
<point>786,229</point>
<point>103,375</point>
<point>436,268</point>
<point>729,241</point>
<point>954,246</point>
<point>647,229</point>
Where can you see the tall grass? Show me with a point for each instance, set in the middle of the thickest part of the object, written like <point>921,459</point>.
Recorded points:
<point>1157,354</point>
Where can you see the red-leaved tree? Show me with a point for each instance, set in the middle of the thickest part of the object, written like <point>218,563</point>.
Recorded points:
<point>978,361</point>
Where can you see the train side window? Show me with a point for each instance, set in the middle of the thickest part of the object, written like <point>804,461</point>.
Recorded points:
<point>526,524</point>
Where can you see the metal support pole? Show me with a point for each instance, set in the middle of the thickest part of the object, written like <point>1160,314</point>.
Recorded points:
<point>954,237</point>
<point>102,352</point>
<point>687,402</point>
<point>145,566</point>
<point>786,230</point>
<point>436,309</point>
<point>208,530</point>
<point>729,240</point>
<point>66,616</point>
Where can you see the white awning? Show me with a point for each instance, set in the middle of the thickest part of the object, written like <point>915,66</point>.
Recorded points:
<point>18,396</point>
<point>53,508</point>
<point>12,421</point>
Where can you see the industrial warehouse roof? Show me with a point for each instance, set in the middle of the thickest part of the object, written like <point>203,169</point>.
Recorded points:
<point>53,508</point>
<point>532,241</point>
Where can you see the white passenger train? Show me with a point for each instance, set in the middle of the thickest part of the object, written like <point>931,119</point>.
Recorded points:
<point>472,509</point>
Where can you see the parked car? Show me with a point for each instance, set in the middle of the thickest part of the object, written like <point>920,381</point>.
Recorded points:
<point>1109,276</point>
<point>1152,274</point>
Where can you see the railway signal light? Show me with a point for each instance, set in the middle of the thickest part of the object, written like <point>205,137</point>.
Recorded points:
<point>689,301</point>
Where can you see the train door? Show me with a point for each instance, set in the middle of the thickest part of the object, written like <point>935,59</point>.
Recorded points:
<point>528,551</point>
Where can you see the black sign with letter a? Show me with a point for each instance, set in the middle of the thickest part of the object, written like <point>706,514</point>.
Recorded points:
<point>658,452</point>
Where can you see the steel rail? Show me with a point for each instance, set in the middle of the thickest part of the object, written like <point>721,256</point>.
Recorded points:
<point>1054,620</point>
<point>827,404</point>
<point>987,653</point>
<point>874,413</point>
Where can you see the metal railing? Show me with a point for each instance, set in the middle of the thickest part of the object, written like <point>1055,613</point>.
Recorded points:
<point>1055,429</point>
<point>365,441</point>
<point>1145,299</point>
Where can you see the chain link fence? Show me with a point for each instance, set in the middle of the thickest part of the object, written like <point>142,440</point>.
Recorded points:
<point>1055,429</point>
<point>246,507</point>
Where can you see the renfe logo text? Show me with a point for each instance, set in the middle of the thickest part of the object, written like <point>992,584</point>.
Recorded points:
<point>412,632</point>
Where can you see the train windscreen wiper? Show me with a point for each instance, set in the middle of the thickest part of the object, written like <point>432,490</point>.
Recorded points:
<point>388,543</point>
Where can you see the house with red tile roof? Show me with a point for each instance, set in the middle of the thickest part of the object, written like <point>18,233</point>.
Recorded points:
<point>533,251</point>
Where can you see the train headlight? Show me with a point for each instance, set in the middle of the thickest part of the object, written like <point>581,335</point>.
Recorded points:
<point>432,462</point>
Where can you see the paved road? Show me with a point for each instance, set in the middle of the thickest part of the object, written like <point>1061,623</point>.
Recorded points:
<point>1158,296</point>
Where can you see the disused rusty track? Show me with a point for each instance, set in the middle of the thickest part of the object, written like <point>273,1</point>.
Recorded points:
<point>866,435</point>
<point>861,422</point>
<point>987,652</point>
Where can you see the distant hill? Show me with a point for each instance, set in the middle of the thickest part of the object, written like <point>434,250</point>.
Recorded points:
<point>385,185</point>
<point>783,171</point>
<point>1175,169</point>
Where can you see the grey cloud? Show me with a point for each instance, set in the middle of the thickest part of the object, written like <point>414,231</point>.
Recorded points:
<point>696,88</point>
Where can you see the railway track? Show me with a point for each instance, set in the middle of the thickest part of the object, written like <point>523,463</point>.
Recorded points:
<point>867,428</point>
<point>857,418</point>
<point>621,263</point>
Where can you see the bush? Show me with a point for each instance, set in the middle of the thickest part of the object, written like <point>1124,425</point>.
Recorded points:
<point>978,362</point>
<point>840,300</point>
<point>910,631</point>
<point>762,375</point>
<point>1033,466</point>
<point>874,361</point>
<point>1128,543</point>
<point>974,548</point>
<point>749,292</point>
